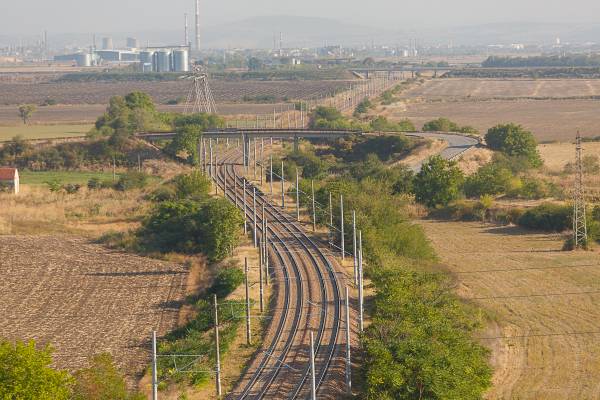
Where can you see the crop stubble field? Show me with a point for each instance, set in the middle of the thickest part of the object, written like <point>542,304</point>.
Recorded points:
<point>161,92</point>
<point>552,109</point>
<point>545,338</point>
<point>85,299</point>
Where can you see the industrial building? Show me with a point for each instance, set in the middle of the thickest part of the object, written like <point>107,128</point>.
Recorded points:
<point>174,59</point>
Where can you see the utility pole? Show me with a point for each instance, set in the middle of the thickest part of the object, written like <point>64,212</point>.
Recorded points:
<point>248,334</point>
<point>245,206</point>
<point>254,222</point>
<point>348,346</point>
<point>282,187</point>
<point>297,196</point>
<point>360,283</point>
<point>271,173</point>
<point>342,244</point>
<point>217,349</point>
<point>314,212</point>
<point>580,236</point>
<point>354,247</point>
<point>154,368</point>
<point>313,385</point>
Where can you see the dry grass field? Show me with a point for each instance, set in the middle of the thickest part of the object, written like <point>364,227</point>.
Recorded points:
<point>84,299</point>
<point>557,155</point>
<point>544,304</point>
<point>505,88</point>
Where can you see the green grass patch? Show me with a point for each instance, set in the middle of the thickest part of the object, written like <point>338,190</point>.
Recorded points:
<point>43,131</point>
<point>79,177</point>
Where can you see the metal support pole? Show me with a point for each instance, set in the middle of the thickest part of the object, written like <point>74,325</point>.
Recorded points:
<point>245,206</point>
<point>314,212</point>
<point>248,333</point>
<point>342,244</point>
<point>355,255</point>
<point>217,349</point>
<point>254,222</point>
<point>297,196</point>
<point>154,368</point>
<point>313,383</point>
<point>348,346</point>
<point>271,173</point>
<point>254,161</point>
<point>210,168</point>
<point>244,150</point>
<point>260,278</point>
<point>235,189</point>
<point>360,283</point>
<point>330,211</point>
<point>282,187</point>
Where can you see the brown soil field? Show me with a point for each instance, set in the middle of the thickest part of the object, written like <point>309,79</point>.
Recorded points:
<point>504,88</point>
<point>551,109</point>
<point>543,304</point>
<point>84,299</point>
<point>87,113</point>
<point>549,120</point>
<point>161,92</point>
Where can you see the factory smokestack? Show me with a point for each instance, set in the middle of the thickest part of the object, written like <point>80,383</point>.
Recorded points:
<point>186,40</point>
<point>198,25</point>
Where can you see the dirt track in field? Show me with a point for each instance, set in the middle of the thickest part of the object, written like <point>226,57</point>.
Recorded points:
<point>84,299</point>
<point>544,302</point>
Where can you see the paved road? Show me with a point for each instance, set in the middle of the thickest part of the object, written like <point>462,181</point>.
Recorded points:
<point>457,145</point>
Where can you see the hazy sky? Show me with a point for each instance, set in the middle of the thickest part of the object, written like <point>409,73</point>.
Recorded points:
<point>82,16</point>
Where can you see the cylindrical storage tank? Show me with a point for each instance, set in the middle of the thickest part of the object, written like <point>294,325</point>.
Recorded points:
<point>180,61</point>
<point>163,61</point>
<point>146,57</point>
<point>83,59</point>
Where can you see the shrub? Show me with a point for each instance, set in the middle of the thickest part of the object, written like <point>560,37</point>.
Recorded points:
<point>26,373</point>
<point>94,183</point>
<point>531,188</point>
<point>102,380</point>
<point>491,179</point>
<point>227,280</point>
<point>192,185</point>
<point>163,193</point>
<point>132,180</point>
<point>547,217</point>
<point>441,125</point>
<point>71,188</point>
<point>514,141</point>
<point>438,182</point>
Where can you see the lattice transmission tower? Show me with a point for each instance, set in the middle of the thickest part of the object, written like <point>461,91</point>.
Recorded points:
<point>200,98</point>
<point>579,218</point>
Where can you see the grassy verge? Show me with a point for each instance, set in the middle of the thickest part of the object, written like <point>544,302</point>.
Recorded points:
<point>76,177</point>
<point>44,131</point>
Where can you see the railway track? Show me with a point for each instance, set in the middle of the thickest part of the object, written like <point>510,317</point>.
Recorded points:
<point>306,298</point>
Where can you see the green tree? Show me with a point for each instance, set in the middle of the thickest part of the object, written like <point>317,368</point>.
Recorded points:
<point>255,64</point>
<point>26,111</point>
<point>25,373</point>
<point>438,182</point>
<point>194,185</point>
<point>418,345</point>
<point>514,141</point>
<point>184,144</point>
<point>491,179</point>
<point>102,381</point>
<point>219,223</point>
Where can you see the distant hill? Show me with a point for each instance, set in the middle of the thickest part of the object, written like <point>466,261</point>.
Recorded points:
<point>259,32</point>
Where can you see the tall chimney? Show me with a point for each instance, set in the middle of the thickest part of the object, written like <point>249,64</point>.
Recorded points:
<point>187,38</point>
<point>198,25</point>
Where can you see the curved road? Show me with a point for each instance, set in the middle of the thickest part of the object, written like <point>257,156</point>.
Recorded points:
<point>457,145</point>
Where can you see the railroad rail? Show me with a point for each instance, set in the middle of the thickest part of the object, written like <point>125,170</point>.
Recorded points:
<point>307,298</point>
